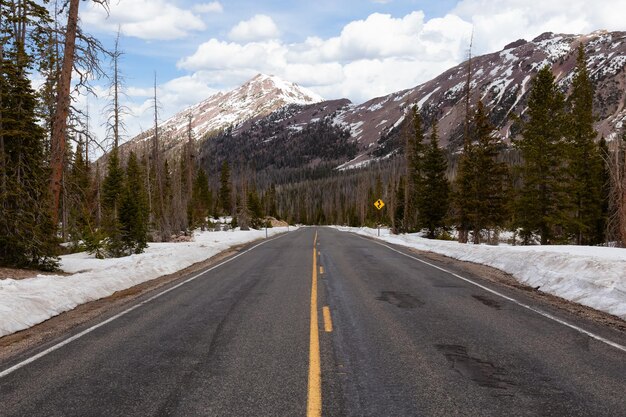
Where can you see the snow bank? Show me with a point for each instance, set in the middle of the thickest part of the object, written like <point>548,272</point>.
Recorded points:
<point>589,275</point>
<point>24,303</point>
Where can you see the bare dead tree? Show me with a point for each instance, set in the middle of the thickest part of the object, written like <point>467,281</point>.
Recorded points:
<point>58,141</point>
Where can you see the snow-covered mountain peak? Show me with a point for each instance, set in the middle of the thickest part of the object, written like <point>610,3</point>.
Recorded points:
<point>257,97</point>
<point>292,93</point>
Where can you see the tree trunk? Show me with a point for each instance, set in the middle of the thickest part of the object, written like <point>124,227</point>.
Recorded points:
<point>3,174</point>
<point>59,121</point>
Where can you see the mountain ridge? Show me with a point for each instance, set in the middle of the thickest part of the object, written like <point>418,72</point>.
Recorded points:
<point>500,79</point>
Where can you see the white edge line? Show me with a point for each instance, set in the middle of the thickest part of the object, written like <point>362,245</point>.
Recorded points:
<point>117,316</point>
<point>519,303</point>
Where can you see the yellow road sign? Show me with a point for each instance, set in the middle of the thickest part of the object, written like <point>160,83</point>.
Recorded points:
<point>379,204</point>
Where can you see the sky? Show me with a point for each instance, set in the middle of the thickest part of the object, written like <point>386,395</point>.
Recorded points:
<point>356,49</point>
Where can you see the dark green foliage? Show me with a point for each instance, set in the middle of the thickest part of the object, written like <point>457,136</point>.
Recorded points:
<point>481,184</point>
<point>255,209</point>
<point>541,199</point>
<point>463,191</point>
<point>133,213</point>
<point>113,189</point>
<point>398,215</point>
<point>79,188</point>
<point>414,153</point>
<point>490,177</point>
<point>201,201</point>
<point>27,235</point>
<point>225,190</point>
<point>433,200</point>
<point>585,166</point>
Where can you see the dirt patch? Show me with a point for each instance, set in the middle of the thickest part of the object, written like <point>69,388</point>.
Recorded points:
<point>18,343</point>
<point>15,273</point>
<point>495,275</point>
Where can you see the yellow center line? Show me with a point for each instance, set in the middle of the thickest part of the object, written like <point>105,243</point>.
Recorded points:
<point>314,399</point>
<point>328,323</point>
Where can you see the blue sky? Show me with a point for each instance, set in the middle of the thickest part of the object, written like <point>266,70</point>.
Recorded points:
<point>359,49</point>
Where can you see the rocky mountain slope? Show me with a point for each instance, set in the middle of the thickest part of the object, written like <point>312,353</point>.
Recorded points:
<point>270,112</point>
<point>258,97</point>
<point>501,80</point>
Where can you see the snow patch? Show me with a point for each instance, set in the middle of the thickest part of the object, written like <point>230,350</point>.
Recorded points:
<point>27,302</point>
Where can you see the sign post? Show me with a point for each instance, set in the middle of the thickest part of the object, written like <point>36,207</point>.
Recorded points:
<point>379,204</point>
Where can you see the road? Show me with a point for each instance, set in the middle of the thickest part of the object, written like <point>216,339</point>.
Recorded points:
<point>348,327</point>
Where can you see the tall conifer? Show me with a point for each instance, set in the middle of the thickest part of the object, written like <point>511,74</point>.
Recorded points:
<point>433,200</point>
<point>585,166</point>
<point>541,200</point>
<point>133,213</point>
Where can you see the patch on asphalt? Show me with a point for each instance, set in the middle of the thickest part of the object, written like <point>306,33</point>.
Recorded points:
<point>400,299</point>
<point>488,301</point>
<point>481,372</point>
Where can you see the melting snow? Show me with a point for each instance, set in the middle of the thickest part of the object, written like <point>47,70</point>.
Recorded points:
<point>426,97</point>
<point>27,302</point>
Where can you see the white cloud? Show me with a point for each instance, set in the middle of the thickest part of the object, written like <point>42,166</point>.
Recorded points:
<point>259,27</point>
<point>370,57</point>
<point>498,22</point>
<point>212,7</point>
<point>144,19</point>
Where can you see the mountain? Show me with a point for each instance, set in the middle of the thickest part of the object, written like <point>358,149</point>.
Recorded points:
<point>258,97</point>
<point>501,79</point>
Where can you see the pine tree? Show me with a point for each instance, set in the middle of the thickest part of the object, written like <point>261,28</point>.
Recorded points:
<point>133,213</point>
<point>254,208</point>
<point>463,196</point>
<point>27,236</point>
<point>414,138</point>
<point>398,215</point>
<point>585,166</point>
<point>433,200</point>
<point>113,189</point>
<point>541,199</point>
<point>79,190</point>
<point>200,201</point>
<point>489,178</point>
<point>225,190</point>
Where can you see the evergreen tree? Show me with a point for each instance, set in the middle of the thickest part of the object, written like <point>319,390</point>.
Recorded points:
<point>27,237</point>
<point>113,189</point>
<point>585,166</point>
<point>487,209</point>
<point>225,190</point>
<point>254,208</point>
<point>463,196</point>
<point>133,213</point>
<point>79,188</point>
<point>433,200</point>
<point>541,199</point>
<point>200,201</point>
<point>398,215</point>
<point>414,149</point>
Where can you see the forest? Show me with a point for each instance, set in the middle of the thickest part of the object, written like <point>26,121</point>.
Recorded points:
<point>555,184</point>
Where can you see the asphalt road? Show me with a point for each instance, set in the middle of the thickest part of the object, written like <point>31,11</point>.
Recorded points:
<point>393,337</point>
